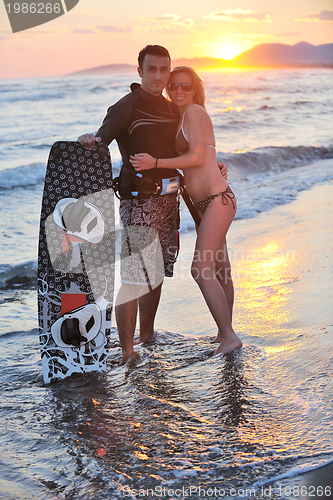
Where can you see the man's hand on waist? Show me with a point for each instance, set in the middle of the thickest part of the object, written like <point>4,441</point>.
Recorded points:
<point>223,169</point>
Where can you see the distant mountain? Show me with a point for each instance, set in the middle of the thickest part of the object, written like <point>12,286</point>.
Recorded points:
<point>105,70</point>
<point>263,55</point>
<point>302,53</point>
<point>268,55</point>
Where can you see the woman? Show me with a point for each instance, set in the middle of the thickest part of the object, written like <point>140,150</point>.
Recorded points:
<point>212,197</point>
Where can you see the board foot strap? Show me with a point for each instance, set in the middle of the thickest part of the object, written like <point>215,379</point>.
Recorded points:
<point>70,333</point>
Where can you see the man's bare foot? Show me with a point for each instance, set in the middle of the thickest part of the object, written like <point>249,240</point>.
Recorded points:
<point>129,357</point>
<point>228,345</point>
<point>144,338</point>
<point>132,360</point>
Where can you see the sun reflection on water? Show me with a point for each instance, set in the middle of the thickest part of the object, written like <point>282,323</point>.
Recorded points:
<point>261,276</point>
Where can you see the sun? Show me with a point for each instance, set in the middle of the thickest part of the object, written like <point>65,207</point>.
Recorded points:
<point>228,51</point>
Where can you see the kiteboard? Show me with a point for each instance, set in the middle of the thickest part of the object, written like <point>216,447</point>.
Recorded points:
<point>76,261</point>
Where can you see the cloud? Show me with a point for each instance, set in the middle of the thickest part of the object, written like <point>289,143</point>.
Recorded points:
<point>287,34</point>
<point>164,17</point>
<point>324,15</point>
<point>173,18</point>
<point>253,37</point>
<point>83,31</point>
<point>238,15</point>
<point>186,23</point>
<point>167,31</point>
<point>114,29</point>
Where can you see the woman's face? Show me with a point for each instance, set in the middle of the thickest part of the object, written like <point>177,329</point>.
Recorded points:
<point>181,89</point>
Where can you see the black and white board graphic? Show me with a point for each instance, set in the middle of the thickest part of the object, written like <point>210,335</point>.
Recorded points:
<point>76,261</point>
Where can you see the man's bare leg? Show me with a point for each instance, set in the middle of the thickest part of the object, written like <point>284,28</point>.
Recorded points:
<point>126,311</point>
<point>126,321</point>
<point>148,305</point>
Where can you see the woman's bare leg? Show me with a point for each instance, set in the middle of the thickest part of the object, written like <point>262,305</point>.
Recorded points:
<point>223,274</point>
<point>211,236</point>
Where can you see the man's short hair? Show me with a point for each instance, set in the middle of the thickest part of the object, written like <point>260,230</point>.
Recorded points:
<point>153,50</point>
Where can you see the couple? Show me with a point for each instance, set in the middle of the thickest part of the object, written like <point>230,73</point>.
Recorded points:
<point>157,136</point>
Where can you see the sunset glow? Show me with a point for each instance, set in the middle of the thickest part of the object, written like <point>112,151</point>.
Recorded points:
<point>88,36</point>
<point>229,51</point>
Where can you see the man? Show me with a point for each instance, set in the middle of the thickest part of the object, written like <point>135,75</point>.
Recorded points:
<point>144,122</point>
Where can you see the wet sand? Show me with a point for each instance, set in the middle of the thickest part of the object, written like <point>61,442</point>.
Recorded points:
<point>314,484</point>
<point>283,274</point>
<point>282,264</point>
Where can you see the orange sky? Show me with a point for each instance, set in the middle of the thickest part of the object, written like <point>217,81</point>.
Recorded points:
<point>102,32</point>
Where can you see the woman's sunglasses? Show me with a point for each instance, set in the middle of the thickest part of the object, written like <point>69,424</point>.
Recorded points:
<point>186,87</point>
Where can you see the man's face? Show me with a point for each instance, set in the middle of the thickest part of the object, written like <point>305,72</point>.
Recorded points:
<point>154,74</point>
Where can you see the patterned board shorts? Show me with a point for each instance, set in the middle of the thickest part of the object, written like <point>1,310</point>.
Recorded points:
<point>149,239</point>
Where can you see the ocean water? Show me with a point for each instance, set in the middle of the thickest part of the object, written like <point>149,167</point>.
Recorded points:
<point>159,426</point>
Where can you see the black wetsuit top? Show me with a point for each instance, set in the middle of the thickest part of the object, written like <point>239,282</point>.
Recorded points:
<point>141,123</point>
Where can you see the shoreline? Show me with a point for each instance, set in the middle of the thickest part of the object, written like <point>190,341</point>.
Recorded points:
<point>270,254</point>
<point>276,427</point>
<point>282,272</point>
<point>315,483</point>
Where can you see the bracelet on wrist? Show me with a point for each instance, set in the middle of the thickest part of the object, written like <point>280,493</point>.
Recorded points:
<point>156,162</point>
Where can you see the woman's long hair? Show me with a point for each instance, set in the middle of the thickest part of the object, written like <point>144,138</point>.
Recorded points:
<point>198,84</point>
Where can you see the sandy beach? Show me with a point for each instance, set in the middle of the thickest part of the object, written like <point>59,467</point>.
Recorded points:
<point>259,418</point>
<point>283,274</point>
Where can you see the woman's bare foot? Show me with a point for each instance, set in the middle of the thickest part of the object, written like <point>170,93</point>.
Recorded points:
<point>218,339</point>
<point>228,345</point>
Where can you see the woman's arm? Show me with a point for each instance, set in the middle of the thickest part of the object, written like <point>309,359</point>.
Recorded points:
<point>196,123</point>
